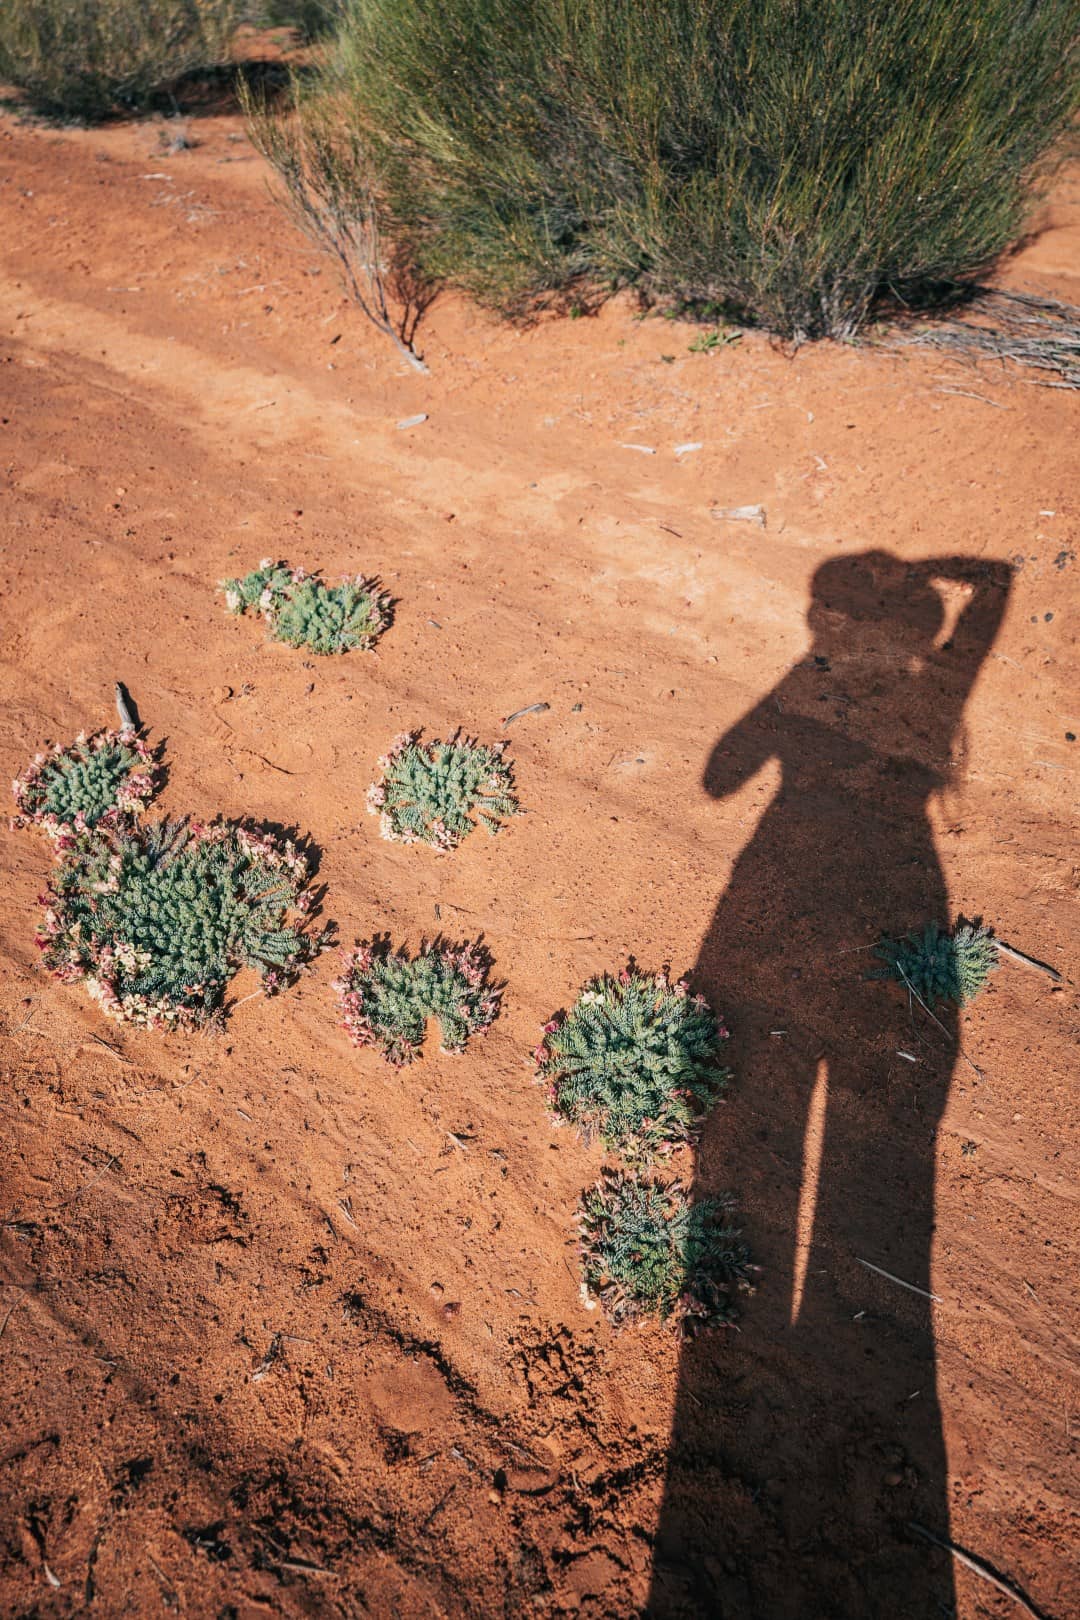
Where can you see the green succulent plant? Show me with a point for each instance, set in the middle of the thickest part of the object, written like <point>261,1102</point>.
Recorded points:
<point>386,999</point>
<point>69,790</point>
<point>647,1249</point>
<point>636,1062</point>
<point>157,919</point>
<point>435,793</point>
<point>303,611</point>
<point>940,967</point>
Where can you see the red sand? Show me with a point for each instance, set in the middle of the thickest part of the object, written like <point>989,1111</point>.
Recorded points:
<point>271,1340</point>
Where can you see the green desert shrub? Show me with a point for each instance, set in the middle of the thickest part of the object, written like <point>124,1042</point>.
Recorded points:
<point>87,58</point>
<point>789,163</point>
<point>636,1062</point>
<point>70,790</point>
<point>311,19</point>
<point>436,793</point>
<point>155,920</point>
<point>304,612</point>
<point>648,1249</point>
<point>386,999</point>
<point>938,966</point>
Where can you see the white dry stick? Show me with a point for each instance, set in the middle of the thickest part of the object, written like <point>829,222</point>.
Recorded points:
<point>813,1146</point>
<point>1027,961</point>
<point>977,1567</point>
<point>127,719</point>
<point>914,1288</point>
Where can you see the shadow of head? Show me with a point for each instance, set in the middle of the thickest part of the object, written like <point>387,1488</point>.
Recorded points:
<point>878,590</point>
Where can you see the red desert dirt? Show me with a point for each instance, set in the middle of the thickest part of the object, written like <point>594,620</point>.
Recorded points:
<point>287,1331</point>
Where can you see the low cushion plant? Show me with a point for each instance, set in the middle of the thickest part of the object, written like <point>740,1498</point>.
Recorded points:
<point>303,611</point>
<point>648,1249</point>
<point>636,1062</point>
<point>386,999</point>
<point>938,966</point>
<point>70,790</point>
<point>156,919</point>
<point>435,793</point>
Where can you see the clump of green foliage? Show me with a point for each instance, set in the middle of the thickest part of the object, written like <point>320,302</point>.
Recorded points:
<point>648,1249</point>
<point>937,966</point>
<point>310,19</point>
<point>636,1062</point>
<point>70,790</point>
<point>386,1000</point>
<point>431,792</point>
<point>304,612</point>
<point>157,919</point>
<point>793,166</point>
<point>86,59</point>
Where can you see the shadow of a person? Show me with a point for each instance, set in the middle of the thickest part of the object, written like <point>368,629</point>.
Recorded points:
<point>805,1445</point>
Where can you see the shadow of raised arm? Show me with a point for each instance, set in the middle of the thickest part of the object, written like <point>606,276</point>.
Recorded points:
<point>741,752</point>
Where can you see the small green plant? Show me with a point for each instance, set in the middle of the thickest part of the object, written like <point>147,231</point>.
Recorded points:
<point>87,58</point>
<point>707,342</point>
<point>70,790</point>
<point>157,919</point>
<point>304,612</point>
<point>636,1062</point>
<point>386,1000</point>
<point>940,967</point>
<point>431,792</point>
<point>648,1249</point>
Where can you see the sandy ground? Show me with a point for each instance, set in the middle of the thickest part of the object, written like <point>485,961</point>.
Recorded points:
<point>283,1331</point>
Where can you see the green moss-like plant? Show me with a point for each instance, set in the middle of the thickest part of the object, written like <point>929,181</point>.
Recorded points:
<point>157,919</point>
<point>940,967</point>
<point>647,1249</point>
<point>70,790</point>
<point>636,1062</point>
<point>435,793</point>
<point>303,611</point>
<point>386,1000</point>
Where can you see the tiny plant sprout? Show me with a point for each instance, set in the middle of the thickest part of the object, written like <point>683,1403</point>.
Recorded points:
<point>636,1062</point>
<point>937,966</point>
<point>386,999</point>
<point>436,793</point>
<point>155,919</point>
<point>303,611</point>
<point>648,1250</point>
<point>70,790</point>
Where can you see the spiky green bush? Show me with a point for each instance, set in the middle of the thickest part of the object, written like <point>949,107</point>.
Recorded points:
<point>304,612</point>
<point>70,790</point>
<point>648,1249</point>
<point>938,966</point>
<point>791,163</point>
<point>157,919</point>
<point>87,58</point>
<point>386,999</point>
<point>435,793</point>
<point>636,1062</point>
